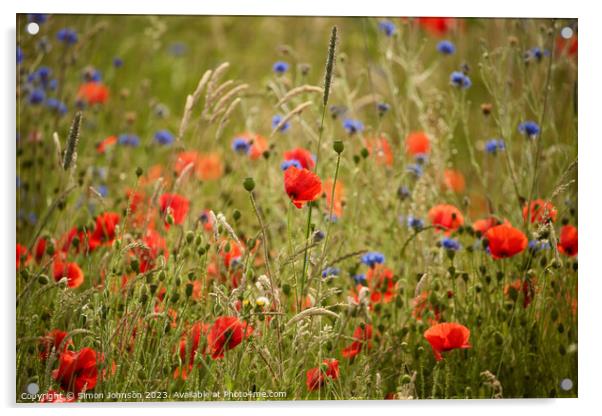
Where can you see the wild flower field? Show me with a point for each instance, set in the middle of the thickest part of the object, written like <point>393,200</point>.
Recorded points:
<point>295,208</point>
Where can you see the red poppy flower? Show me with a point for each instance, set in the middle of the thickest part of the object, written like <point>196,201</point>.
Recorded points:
<point>176,205</point>
<point>484,224</point>
<point>209,167</point>
<point>105,144</point>
<point>53,396</point>
<point>104,231</point>
<point>541,211</point>
<point>78,370</point>
<point>339,195</point>
<point>235,253</point>
<point>381,149</point>
<point>54,341</point>
<point>446,217</point>
<point>417,143</point>
<point>315,377</point>
<point>568,46</point>
<point>74,275</point>
<point>259,145</point>
<point>23,256</point>
<point>155,247</point>
<point>226,333</point>
<point>505,241</point>
<point>189,347</point>
<point>446,337</point>
<point>422,303</point>
<point>568,240</point>
<point>437,26</point>
<point>380,281</point>
<point>40,248</point>
<point>304,157</point>
<point>454,180</point>
<point>184,159</point>
<point>362,336</point>
<point>93,93</point>
<point>301,185</point>
<point>526,287</point>
<point>67,240</point>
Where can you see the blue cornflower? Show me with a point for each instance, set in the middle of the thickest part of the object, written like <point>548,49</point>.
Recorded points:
<point>539,245</point>
<point>353,126</point>
<point>291,162</point>
<point>529,128</point>
<point>117,62</point>
<point>56,105</point>
<point>446,47</point>
<point>19,55</point>
<point>373,258</point>
<point>37,18</point>
<point>37,96</point>
<point>95,76</point>
<point>421,158</point>
<point>360,279</point>
<point>164,137</point>
<point>43,75</point>
<point>450,244</point>
<point>280,67</point>
<point>276,121</point>
<point>460,79</point>
<point>241,145</point>
<point>494,145</point>
<point>415,223</point>
<point>67,36</point>
<point>32,218</point>
<point>18,182</point>
<point>177,48</point>
<point>129,140</point>
<point>537,53</point>
<point>53,84</point>
<point>331,272</point>
<point>387,27</point>
<point>414,169</point>
<point>383,108</point>
<point>403,192</point>
<point>103,190</point>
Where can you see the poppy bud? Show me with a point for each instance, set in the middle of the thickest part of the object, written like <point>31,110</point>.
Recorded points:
<point>201,251</point>
<point>143,297</point>
<point>249,184</point>
<point>135,265</point>
<point>50,248</point>
<point>236,215</point>
<point>189,287</point>
<point>139,171</point>
<point>338,146</point>
<point>170,219</point>
<point>286,289</point>
<point>406,379</point>
<point>43,279</point>
<point>175,297</point>
<point>554,314</point>
<point>560,328</point>
<point>356,159</point>
<point>486,108</point>
<point>189,236</point>
<point>499,339</point>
